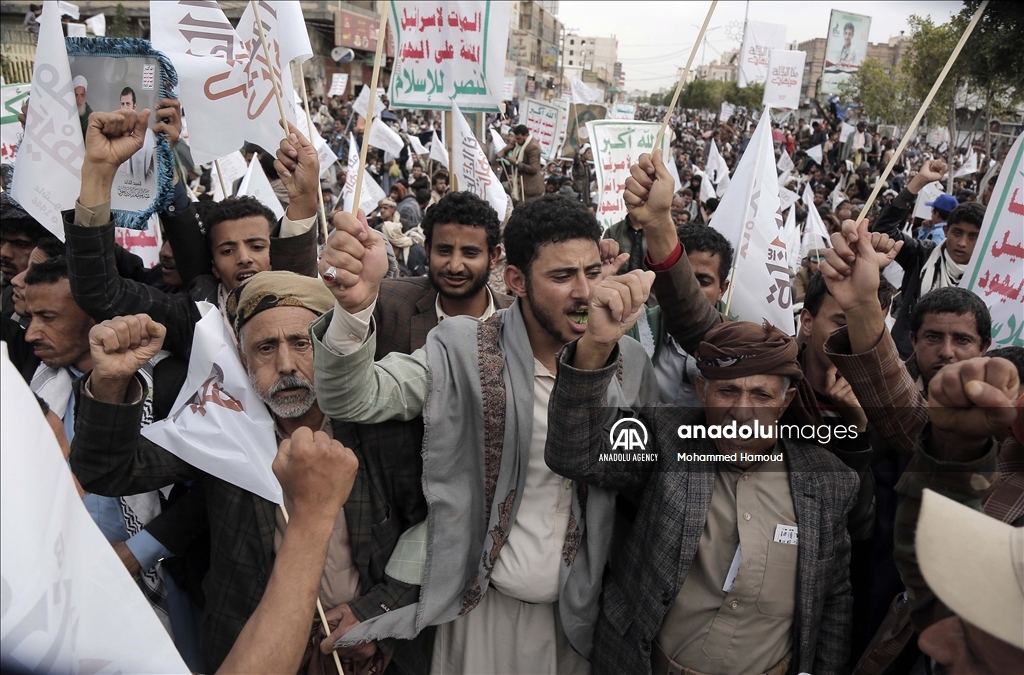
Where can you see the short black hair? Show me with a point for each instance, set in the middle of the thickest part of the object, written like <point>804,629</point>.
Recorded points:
<point>423,196</point>
<point>551,219</point>
<point>14,220</point>
<point>943,213</point>
<point>817,290</point>
<point>711,205</point>
<point>709,240</point>
<point>48,272</point>
<point>952,300</point>
<point>971,213</point>
<point>235,208</point>
<point>126,91</point>
<point>51,246</point>
<point>848,27</point>
<point>464,208</point>
<point>521,130</point>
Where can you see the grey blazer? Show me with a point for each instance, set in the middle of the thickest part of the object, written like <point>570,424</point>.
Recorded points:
<point>648,572</point>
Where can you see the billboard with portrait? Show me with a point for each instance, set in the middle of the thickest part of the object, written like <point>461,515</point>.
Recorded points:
<point>845,49</point>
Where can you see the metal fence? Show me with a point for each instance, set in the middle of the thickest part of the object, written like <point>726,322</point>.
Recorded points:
<point>17,55</point>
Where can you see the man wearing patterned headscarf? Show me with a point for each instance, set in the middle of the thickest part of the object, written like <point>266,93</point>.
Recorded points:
<point>738,560</point>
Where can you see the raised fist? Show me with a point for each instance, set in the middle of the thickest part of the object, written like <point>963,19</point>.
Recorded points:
<point>316,474</point>
<point>122,345</point>
<point>974,399</point>
<point>360,260</point>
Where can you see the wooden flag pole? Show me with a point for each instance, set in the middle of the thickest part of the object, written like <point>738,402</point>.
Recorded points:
<point>220,178</point>
<point>309,127</point>
<point>920,113</point>
<point>689,62</point>
<point>361,169</point>
<point>449,124</point>
<point>270,66</point>
<point>319,605</point>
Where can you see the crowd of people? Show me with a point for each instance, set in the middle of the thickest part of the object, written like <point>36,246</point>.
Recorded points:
<point>447,382</point>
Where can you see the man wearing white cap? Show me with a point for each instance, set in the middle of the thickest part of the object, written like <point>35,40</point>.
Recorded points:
<point>81,86</point>
<point>964,569</point>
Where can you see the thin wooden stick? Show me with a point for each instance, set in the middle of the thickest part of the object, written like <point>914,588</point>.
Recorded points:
<point>689,62</point>
<point>309,127</point>
<point>319,605</point>
<point>270,66</point>
<point>361,169</point>
<point>449,125</point>
<point>220,178</point>
<point>920,113</point>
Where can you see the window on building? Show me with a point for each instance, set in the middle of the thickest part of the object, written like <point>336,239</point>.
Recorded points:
<point>572,52</point>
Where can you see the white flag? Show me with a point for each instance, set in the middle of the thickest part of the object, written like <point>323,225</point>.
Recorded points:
<point>218,424</point>
<point>815,153</point>
<point>255,184</point>
<point>497,142</point>
<point>969,166</point>
<point>707,188</point>
<point>844,132</point>
<point>417,146</point>
<point>323,149</point>
<point>47,176</point>
<point>363,100</point>
<point>226,171</point>
<point>929,193</point>
<point>758,41</point>
<point>787,198</point>
<point>785,163</point>
<point>749,217</point>
<point>785,73</point>
<point>98,24</point>
<point>582,94</point>
<point>470,165</point>
<point>370,194</point>
<point>69,604</point>
<point>723,185</point>
<point>815,233</point>
<point>70,9</point>
<point>716,165</point>
<point>384,137</point>
<point>791,235</point>
<point>837,197</point>
<point>996,271</point>
<point>438,152</point>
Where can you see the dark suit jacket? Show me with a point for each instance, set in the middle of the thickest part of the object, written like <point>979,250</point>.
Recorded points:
<point>110,457</point>
<point>649,570</point>
<point>103,293</point>
<point>529,169</point>
<point>911,258</point>
<point>405,313</point>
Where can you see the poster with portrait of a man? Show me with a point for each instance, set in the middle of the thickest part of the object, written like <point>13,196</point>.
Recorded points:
<point>845,49</point>
<point>109,83</point>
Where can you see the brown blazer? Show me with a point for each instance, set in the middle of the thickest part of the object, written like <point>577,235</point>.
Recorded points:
<point>405,313</point>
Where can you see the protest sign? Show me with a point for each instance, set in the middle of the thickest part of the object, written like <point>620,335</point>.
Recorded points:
<point>846,47</point>
<point>581,115</point>
<point>218,424</point>
<point>339,84</point>
<point>758,40</point>
<point>471,167</point>
<point>927,195</point>
<point>542,118</point>
<point>996,270</point>
<point>69,604</point>
<point>47,179</point>
<point>622,111</point>
<point>12,97</point>
<point>97,24</point>
<point>508,88</point>
<point>143,243</point>
<point>748,217</point>
<point>255,184</point>
<point>617,146</point>
<point>727,111</point>
<point>563,125</point>
<point>785,73</point>
<point>449,52</point>
<point>969,166</point>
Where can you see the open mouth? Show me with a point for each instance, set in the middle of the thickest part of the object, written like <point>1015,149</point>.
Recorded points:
<point>579,320</point>
<point>168,265</point>
<point>242,276</point>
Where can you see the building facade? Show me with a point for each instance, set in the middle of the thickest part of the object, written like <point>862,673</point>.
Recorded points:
<point>533,59</point>
<point>889,53</point>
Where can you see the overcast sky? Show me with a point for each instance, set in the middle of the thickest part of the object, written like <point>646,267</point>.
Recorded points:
<point>655,37</point>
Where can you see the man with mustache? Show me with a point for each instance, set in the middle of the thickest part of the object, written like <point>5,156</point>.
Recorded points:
<point>270,315</point>
<point>517,590</point>
<point>462,242</point>
<point>81,86</point>
<point>19,234</point>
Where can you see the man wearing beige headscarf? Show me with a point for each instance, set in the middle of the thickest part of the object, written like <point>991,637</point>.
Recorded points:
<point>738,560</point>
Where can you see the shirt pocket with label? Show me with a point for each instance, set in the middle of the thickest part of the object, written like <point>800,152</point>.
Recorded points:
<point>777,596</point>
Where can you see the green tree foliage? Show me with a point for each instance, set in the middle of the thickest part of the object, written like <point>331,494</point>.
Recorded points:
<point>994,53</point>
<point>883,93</point>
<point>928,54</point>
<point>121,27</point>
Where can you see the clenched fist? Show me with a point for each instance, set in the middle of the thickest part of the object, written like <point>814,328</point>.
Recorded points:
<point>615,305</point>
<point>973,399</point>
<point>316,474</point>
<point>360,261</point>
<point>113,137</point>
<point>122,345</point>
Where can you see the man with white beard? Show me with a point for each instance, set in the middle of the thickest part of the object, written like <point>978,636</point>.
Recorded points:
<point>81,86</point>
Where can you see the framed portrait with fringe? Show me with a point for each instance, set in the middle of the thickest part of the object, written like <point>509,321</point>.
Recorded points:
<point>110,74</point>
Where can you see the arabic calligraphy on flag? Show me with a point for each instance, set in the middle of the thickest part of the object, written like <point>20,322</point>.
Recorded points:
<point>542,119</point>
<point>617,145</point>
<point>996,270</point>
<point>785,75</point>
<point>449,51</point>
